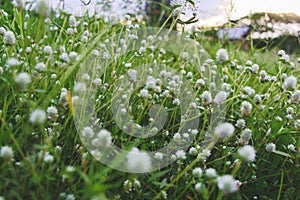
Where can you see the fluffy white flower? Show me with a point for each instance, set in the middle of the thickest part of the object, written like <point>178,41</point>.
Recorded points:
<point>48,158</point>
<point>227,184</point>
<point>197,172</point>
<point>290,83</point>
<point>52,113</point>
<point>38,116</point>
<point>47,50</point>
<point>87,132</point>
<point>180,154</point>
<point>246,108</point>
<point>6,153</point>
<point>206,98</point>
<point>220,97</point>
<point>247,152</point>
<point>224,130</point>
<point>9,38</point>
<point>138,161</point>
<point>2,30</point>
<point>103,139</point>
<point>211,173</point>
<point>222,55</point>
<point>246,135</point>
<point>296,96</point>
<point>158,156</point>
<point>40,67</point>
<point>254,68</point>
<point>23,79</point>
<point>291,147</point>
<point>271,147</point>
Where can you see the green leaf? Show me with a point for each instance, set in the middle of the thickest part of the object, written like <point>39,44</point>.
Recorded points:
<point>282,153</point>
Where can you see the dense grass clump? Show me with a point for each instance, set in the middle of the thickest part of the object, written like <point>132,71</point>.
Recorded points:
<point>253,153</point>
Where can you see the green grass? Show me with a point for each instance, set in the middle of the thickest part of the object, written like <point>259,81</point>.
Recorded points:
<point>28,175</point>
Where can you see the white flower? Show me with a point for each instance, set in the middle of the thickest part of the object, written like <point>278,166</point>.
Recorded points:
<point>70,197</point>
<point>20,4</point>
<point>246,108</point>
<point>254,68</point>
<point>103,139</point>
<point>144,93</point>
<point>296,96</point>
<point>87,132</point>
<point>158,156</point>
<point>38,116</point>
<point>79,87</point>
<point>48,158</point>
<point>2,30</point>
<point>198,187</point>
<point>132,73</point>
<point>249,91</point>
<point>9,38</point>
<point>6,153</point>
<point>257,98</point>
<point>138,161</point>
<point>211,173</point>
<point>73,56</point>
<point>240,123</point>
<point>43,8</point>
<point>52,112</point>
<point>206,98</point>
<point>222,55</point>
<point>271,147</point>
<point>72,21</point>
<point>23,79</point>
<point>220,97</point>
<point>180,154</point>
<point>13,62</point>
<point>291,147</point>
<point>297,124</point>
<point>224,130</point>
<point>197,172</point>
<point>47,50</point>
<point>193,151</point>
<point>281,52</point>
<point>247,152</point>
<point>40,67</point>
<point>290,83</point>
<point>227,184</point>
<point>246,135</point>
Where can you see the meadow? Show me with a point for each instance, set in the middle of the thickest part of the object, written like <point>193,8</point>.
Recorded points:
<point>97,110</point>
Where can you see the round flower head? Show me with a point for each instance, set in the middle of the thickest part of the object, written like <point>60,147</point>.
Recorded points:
<point>247,152</point>
<point>222,55</point>
<point>138,161</point>
<point>103,139</point>
<point>9,38</point>
<point>227,184</point>
<point>2,30</point>
<point>240,123</point>
<point>290,83</point>
<point>246,108</point>
<point>246,135</point>
<point>211,173</point>
<point>23,79</point>
<point>6,153</point>
<point>271,147</point>
<point>224,130</point>
<point>296,96</point>
<point>37,116</point>
<point>197,172</point>
<point>255,68</point>
<point>206,98</point>
<point>52,113</point>
<point>20,4</point>
<point>220,97</point>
